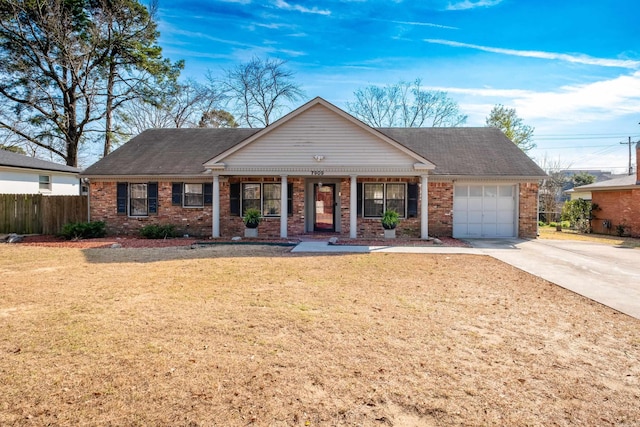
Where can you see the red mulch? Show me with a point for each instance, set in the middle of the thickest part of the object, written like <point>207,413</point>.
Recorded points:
<point>104,242</point>
<point>134,242</point>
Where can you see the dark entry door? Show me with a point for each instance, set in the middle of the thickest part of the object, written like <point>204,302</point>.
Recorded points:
<point>325,201</point>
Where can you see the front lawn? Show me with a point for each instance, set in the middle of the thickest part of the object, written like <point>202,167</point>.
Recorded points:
<point>547,232</point>
<point>237,336</point>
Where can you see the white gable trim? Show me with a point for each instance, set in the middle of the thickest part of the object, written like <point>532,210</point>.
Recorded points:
<point>217,163</point>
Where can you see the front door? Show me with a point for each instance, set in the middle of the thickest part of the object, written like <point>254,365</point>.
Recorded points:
<point>325,201</point>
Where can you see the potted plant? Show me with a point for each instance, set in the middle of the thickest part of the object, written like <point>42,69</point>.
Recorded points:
<point>251,219</point>
<point>390,220</point>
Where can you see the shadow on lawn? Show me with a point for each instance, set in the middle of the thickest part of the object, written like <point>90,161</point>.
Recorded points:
<point>172,253</point>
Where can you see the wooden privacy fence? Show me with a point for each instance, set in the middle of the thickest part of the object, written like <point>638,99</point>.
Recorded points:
<point>38,214</point>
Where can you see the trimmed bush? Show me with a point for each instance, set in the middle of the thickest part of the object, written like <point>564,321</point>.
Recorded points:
<point>83,230</point>
<point>154,231</point>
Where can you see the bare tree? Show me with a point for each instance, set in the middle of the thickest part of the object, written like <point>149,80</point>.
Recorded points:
<point>550,195</point>
<point>259,90</point>
<point>405,104</point>
<point>180,105</point>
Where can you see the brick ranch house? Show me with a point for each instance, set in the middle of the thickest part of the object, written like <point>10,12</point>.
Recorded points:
<point>318,169</point>
<point>618,203</point>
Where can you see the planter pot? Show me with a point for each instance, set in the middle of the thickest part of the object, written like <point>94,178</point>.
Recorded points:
<point>250,232</point>
<point>390,234</point>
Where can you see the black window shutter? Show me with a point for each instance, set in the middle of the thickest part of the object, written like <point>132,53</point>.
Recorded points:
<point>359,185</point>
<point>412,200</point>
<point>152,197</point>
<point>208,194</point>
<point>176,193</point>
<point>289,199</point>
<point>121,197</point>
<point>234,198</point>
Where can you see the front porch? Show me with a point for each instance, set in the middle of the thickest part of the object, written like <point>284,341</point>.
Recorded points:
<point>345,206</point>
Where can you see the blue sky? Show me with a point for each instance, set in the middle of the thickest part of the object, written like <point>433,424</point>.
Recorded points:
<point>570,68</point>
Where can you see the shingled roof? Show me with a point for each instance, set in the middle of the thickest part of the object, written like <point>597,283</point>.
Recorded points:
<point>15,160</point>
<point>467,151</point>
<point>168,152</point>
<point>455,152</point>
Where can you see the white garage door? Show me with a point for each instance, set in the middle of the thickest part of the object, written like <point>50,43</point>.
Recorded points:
<point>484,211</point>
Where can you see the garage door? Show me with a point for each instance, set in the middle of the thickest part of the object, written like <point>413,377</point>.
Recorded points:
<point>484,211</point>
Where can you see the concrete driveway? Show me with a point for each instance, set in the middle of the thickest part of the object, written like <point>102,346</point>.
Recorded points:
<point>604,273</point>
<point>607,274</point>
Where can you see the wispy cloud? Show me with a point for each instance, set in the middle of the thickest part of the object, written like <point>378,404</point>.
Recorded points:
<point>598,101</point>
<point>281,4</point>
<point>468,4</point>
<point>425,24</point>
<point>578,59</point>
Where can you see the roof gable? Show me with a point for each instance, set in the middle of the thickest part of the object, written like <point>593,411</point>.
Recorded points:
<point>318,132</point>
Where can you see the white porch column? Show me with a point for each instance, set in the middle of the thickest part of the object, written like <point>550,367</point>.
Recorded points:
<point>283,206</point>
<point>353,207</point>
<point>215,214</point>
<point>424,207</point>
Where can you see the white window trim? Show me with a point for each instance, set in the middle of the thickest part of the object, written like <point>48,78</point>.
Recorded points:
<point>48,183</point>
<point>129,204</point>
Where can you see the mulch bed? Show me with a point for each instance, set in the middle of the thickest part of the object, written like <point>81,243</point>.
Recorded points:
<point>134,242</point>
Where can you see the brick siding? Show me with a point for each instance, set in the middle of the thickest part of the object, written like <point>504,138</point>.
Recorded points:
<point>198,221</point>
<point>528,210</point>
<point>621,207</point>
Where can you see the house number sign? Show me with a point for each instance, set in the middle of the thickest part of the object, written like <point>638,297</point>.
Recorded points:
<point>317,172</point>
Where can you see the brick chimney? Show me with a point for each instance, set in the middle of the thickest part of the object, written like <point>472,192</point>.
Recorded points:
<point>638,163</point>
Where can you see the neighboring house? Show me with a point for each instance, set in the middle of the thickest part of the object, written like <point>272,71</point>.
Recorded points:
<point>618,203</point>
<point>318,169</point>
<point>578,194</point>
<point>571,194</point>
<point>20,174</point>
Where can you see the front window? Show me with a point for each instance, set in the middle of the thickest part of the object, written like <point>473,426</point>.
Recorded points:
<point>373,200</point>
<point>44,182</point>
<point>251,197</point>
<point>138,200</point>
<point>271,200</point>
<point>380,197</point>
<point>193,195</point>
<point>265,197</point>
<point>396,198</point>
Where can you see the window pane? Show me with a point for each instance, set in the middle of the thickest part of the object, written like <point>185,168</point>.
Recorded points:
<point>44,182</point>
<point>373,200</point>
<point>373,208</point>
<point>250,197</point>
<point>396,198</point>
<point>138,200</point>
<point>461,191</point>
<point>490,191</point>
<point>505,191</point>
<point>193,195</point>
<point>271,199</point>
<point>475,190</point>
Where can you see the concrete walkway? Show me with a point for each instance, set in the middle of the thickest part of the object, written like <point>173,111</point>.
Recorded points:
<point>603,273</point>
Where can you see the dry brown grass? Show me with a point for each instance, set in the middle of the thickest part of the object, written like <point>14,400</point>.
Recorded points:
<point>551,233</point>
<point>236,336</point>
